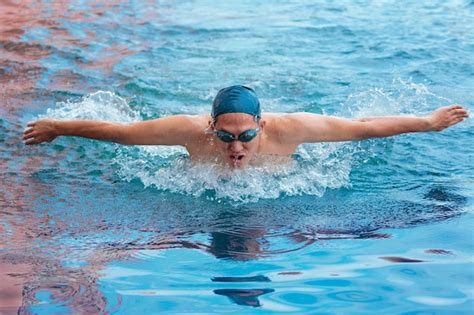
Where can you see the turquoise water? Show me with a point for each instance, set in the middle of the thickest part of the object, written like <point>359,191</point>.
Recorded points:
<point>380,226</point>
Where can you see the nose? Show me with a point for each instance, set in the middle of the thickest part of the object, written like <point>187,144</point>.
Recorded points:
<point>236,146</point>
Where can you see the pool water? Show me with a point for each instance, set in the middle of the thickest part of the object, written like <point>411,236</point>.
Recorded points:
<point>378,226</point>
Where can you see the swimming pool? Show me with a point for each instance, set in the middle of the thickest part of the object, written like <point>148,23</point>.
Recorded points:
<point>350,228</point>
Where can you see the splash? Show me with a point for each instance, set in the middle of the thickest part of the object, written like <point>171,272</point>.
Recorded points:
<point>101,105</point>
<point>271,181</point>
<point>314,169</point>
<point>403,96</point>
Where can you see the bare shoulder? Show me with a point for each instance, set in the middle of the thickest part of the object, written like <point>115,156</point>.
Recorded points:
<point>189,123</point>
<point>273,120</point>
<point>283,127</point>
<point>198,141</point>
<point>286,120</point>
<point>199,122</point>
<point>196,126</point>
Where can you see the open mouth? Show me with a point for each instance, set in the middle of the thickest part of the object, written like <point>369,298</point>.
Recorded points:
<point>237,158</point>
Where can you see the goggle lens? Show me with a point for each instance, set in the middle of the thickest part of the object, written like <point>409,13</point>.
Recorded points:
<point>248,135</point>
<point>224,136</point>
<point>245,136</point>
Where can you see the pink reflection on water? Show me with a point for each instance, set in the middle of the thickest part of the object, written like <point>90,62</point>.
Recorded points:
<point>19,61</point>
<point>108,58</point>
<point>27,266</point>
<point>24,268</point>
<point>21,65</point>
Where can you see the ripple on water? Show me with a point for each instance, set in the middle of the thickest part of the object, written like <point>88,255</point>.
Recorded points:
<point>67,290</point>
<point>299,298</point>
<point>356,296</point>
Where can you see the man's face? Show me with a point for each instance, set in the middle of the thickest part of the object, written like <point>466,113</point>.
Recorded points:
<point>237,154</point>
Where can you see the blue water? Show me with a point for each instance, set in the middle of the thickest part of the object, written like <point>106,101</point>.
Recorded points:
<point>379,226</point>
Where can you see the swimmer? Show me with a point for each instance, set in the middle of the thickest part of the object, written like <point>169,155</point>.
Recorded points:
<point>237,133</point>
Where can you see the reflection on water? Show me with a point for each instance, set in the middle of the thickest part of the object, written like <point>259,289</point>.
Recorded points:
<point>259,278</point>
<point>128,224</point>
<point>247,297</point>
<point>401,259</point>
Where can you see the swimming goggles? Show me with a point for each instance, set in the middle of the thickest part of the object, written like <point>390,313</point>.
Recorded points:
<point>245,136</point>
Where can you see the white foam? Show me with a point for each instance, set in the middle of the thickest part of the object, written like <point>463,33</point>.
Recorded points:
<point>101,105</point>
<point>403,97</point>
<point>319,166</point>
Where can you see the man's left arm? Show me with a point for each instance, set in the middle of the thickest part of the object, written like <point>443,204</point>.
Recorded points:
<point>306,127</point>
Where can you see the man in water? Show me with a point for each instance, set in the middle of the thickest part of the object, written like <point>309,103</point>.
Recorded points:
<point>236,132</point>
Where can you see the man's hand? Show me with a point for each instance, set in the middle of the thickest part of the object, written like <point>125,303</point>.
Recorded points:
<point>445,117</point>
<point>40,131</point>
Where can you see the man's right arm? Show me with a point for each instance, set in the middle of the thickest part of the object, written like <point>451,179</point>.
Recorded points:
<point>172,130</point>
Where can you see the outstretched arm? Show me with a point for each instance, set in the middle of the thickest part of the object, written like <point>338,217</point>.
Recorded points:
<point>172,130</point>
<point>306,127</point>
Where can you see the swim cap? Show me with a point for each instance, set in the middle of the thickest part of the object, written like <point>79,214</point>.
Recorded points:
<point>236,99</point>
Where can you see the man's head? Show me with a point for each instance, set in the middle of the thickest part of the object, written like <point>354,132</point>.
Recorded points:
<point>236,99</point>
<point>236,121</point>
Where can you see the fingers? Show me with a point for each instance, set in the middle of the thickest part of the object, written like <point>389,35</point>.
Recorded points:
<point>456,121</point>
<point>35,140</point>
<point>459,113</point>
<point>31,142</point>
<point>28,136</point>
<point>454,107</point>
<point>459,110</point>
<point>28,131</point>
<point>31,136</point>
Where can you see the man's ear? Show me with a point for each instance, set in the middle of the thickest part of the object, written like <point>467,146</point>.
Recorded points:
<point>210,126</point>
<point>262,124</point>
<point>211,123</point>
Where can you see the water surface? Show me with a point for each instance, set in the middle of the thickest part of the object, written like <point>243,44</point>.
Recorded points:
<point>361,227</point>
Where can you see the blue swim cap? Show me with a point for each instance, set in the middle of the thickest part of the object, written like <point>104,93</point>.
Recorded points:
<point>236,99</point>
